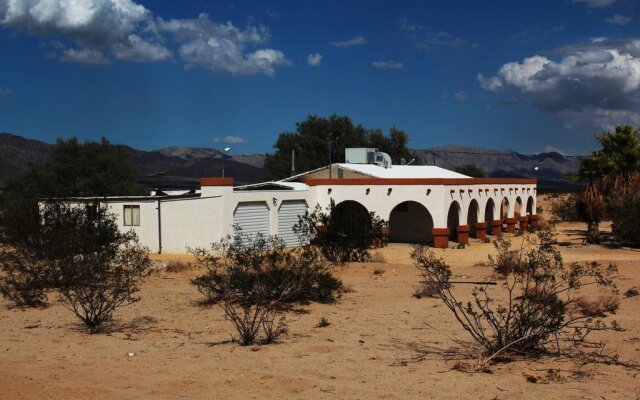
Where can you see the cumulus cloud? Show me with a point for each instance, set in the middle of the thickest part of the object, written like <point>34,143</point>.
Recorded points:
<point>387,64</point>
<point>223,47</point>
<point>461,95</point>
<point>618,19</point>
<point>427,40</point>
<point>356,41</point>
<point>101,30</point>
<point>230,139</point>
<point>596,3</point>
<point>314,59</point>
<point>599,80</point>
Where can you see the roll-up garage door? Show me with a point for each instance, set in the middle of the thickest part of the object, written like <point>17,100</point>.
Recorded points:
<point>252,217</point>
<point>287,218</point>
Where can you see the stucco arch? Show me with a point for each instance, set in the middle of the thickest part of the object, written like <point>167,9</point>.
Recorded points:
<point>354,220</point>
<point>490,214</point>
<point>410,222</point>
<point>518,209</point>
<point>454,216</point>
<point>473,216</point>
<point>505,209</point>
<point>530,206</point>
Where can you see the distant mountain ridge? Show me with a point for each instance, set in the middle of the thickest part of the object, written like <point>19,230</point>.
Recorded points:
<point>182,167</point>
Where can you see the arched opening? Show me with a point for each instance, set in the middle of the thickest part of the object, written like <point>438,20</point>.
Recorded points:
<point>517,209</point>
<point>410,222</point>
<point>489,212</point>
<point>504,209</point>
<point>353,220</point>
<point>453,220</point>
<point>530,206</point>
<point>472,217</point>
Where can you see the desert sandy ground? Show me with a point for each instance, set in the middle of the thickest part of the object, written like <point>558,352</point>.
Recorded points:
<point>377,345</point>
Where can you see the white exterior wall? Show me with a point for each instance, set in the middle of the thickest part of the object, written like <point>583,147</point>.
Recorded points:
<point>199,221</point>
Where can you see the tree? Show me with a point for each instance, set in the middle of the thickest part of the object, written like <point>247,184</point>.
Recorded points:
<point>591,202</point>
<point>311,144</point>
<point>619,159</point>
<point>72,169</point>
<point>471,170</point>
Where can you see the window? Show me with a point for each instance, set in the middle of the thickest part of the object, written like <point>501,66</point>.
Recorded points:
<point>131,215</point>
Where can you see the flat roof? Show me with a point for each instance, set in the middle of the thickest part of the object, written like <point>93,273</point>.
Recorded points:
<point>402,171</point>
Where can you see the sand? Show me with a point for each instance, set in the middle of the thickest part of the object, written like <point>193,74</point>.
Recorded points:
<point>377,345</point>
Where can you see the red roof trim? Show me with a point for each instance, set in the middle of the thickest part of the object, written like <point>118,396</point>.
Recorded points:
<point>216,181</point>
<point>420,181</point>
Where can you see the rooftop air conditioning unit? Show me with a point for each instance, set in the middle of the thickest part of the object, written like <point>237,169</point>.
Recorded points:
<point>365,155</point>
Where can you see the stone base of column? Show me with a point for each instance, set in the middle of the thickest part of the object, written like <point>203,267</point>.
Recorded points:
<point>481,230</point>
<point>440,237</point>
<point>511,225</point>
<point>463,233</point>
<point>524,221</point>
<point>496,227</point>
<point>533,220</point>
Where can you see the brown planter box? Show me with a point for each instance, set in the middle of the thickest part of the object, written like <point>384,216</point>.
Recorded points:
<point>511,224</point>
<point>481,230</point>
<point>533,220</point>
<point>463,233</point>
<point>440,237</point>
<point>496,227</point>
<point>524,221</point>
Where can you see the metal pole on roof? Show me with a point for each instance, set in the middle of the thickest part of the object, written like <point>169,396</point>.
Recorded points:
<point>293,162</point>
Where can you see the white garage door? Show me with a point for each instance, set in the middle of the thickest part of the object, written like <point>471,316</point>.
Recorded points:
<point>252,217</point>
<point>287,218</point>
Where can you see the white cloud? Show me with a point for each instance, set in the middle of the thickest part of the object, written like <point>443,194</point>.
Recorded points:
<point>461,95</point>
<point>5,91</point>
<point>596,3</point>
<point>223,47</point>
<point>314,59</point>
<point>84,56</point>
<point>387,64</point>
<point>618,19</point>
<point>598,81</point>
<point>140,50</point>
<point>122,29</point>
<point>428,40</point>
<point>230,139</point>
<point>356,41</point>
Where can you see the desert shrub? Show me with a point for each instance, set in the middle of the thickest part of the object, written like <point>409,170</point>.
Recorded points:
<point>506,260</point>
<point>539,306</point>
<point>255,278</point>
<point>625,212</point>
<point>599,306</point>
<point>24,280</point>
<point>176,266</point>
<point>632,292</point>
<point>342,234</point>
<point>425,289</point>
<point>323,322</point>
<point>565,208</point>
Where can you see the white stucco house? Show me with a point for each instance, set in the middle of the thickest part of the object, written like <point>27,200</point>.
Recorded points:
<point>423,204</point>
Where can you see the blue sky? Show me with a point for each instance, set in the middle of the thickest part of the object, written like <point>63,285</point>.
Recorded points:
<point>526,76</point>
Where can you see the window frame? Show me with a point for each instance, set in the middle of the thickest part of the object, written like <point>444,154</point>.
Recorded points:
<point>131,207</point>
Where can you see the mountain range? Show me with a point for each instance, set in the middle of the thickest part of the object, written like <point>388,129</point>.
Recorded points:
<point>182,167</point>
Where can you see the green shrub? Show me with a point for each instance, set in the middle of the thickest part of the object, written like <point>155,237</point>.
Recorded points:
<point>625,211</point>
<point>565,208</point>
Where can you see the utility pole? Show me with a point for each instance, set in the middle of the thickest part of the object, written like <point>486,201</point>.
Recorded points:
<point>293,162</point>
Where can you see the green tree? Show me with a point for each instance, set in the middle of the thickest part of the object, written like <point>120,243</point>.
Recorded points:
<point>471,170</point>
<point>619,159</point>
<point>311,144</point>
<point>72,169</point>
<point>591,202</point>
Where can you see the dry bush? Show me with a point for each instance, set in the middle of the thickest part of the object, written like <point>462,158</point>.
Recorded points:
<point>537,311</point>
<point>379,271</point>
<point>255,280</point>
<point>566,208</point>
<point>425,289</point>
<point>177,266</point>
<point>24,280</point>
<point>323,323</point>
<point>599,306</point>
<point>632,292</point>
<point>507,260</point>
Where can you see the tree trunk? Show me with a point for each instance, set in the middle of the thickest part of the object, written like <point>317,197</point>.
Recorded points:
<point>593,233</point>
